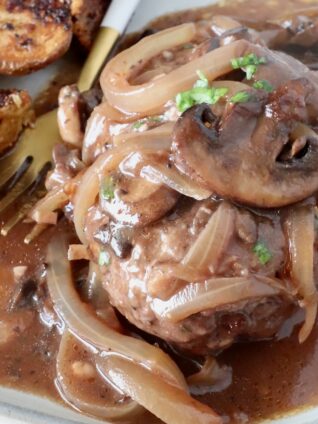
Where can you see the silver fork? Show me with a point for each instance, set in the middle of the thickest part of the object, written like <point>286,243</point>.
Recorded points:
<point>20,168</point>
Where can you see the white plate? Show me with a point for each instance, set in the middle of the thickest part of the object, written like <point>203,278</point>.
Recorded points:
<point>21,408</point>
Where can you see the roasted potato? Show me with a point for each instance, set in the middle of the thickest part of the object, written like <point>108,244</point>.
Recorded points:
<point>15,114</point>
<point>33,33</point>
<point>87,16</point>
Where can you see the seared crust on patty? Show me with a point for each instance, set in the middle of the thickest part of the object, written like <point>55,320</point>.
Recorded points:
<point>87,16</point>
<point>15,114</point>
<point>33,33</point>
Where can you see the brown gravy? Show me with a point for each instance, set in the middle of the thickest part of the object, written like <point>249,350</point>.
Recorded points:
<point>269,378</point>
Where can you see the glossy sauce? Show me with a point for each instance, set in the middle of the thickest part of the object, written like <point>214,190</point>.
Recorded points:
<point>269,378</point>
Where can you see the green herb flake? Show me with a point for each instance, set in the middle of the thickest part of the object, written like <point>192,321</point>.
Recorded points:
<point>141,122</point>
<point>188,46</point>
<point>241,97</point>
<point>248,63</point>
<point>138,124</point>
<point>262,252</point>
<point>202,82</point>
<point>263,85</point>
<point>108,188</point>
<point>155,119</point>
<point>184,101</point>
<point>200,93</point>
<point>248,59</point>
<point>104,258</point>
<point>250,71</point>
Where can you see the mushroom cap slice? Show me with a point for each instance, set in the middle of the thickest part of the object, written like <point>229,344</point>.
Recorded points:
<point>242,156</point>
<point>137,202</point>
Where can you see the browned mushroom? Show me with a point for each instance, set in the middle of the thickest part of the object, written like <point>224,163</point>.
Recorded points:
<point>242,156</point>
<point>137,202</point>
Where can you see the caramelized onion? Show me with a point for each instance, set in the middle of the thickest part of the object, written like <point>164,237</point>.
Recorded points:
<point>78,252</point>
<point>182,272</point>
<point>211,378</point>
<point>170,404</point>
<point>158,133</point>
<point>214,293</point>
<point>115,115</point>
<point>172,178</point>
<point>154,94</point>
<point>300,230</point>
<point>294,12</point>
<point>302,130</point>
<point>205,254</point>
<point>43,212</point>
<point>88,190</point>
<point>87,327</point>
<point>70,390</point>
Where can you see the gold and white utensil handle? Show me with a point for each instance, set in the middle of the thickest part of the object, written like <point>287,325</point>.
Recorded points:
<point>112,27</point>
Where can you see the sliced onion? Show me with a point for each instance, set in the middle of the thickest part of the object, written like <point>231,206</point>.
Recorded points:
<point>160,174</point>
<point>78,252</point>
<point>222,24</point>
<point>205,254</point>
<point>170,404</point>
<point>115,115</point>
<point>154,94</point>
<point>211,378</point>
<point>43,212</point>
<point>45,217</point>
<point>215,293</point>
<point>158,133</point>
<point>71,390</point>
<point>182,272</point>
<point>87,327</point>
<point>297,11</point>
<point>19,272</point>
<point>300,229</point>
<point>302,130</point>
<point>88,190</point>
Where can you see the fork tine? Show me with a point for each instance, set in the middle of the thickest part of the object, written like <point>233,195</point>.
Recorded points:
<point>9,167</point>
<point>35,232</point>
<point>25,182</point>
<point>22,212</point>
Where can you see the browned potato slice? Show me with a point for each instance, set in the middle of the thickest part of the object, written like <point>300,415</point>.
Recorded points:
<point>33,33</point>
<point>15,113</point>
<point>87,16</point>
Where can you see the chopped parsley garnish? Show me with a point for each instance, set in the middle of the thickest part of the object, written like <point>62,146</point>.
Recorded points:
<point>200,93</point>
<point>150,119</point>
<point>108,188</point>
<point>202,82</point>
<point>241,97</point>
<point>262,252</point>
<point>104,258</point>
<point>263,85</point>
<point>188,46</point>
<point>138,124</point>
<point>248,63</point>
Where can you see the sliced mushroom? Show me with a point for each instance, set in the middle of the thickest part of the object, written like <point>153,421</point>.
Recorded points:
<point>68,116</point>
<point>240,156</point>
<point>137,202</point>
